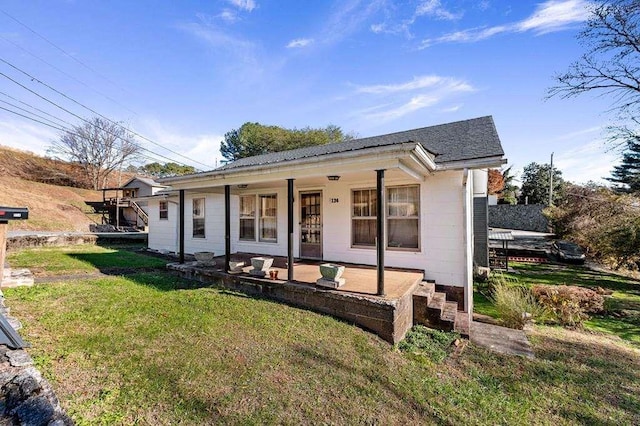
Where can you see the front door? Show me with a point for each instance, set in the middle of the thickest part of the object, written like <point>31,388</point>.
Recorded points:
<point>311,225</point>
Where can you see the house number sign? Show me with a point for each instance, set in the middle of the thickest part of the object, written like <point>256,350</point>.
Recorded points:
<point>334,200</point>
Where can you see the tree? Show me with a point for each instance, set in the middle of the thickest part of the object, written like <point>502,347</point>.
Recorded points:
<point>509,188</point>
<point>535,184</point>
<point>611,64</point>
<point>164,170</point>
<point>627,174</point>
<point>255,139</point>
<point>495,182</point>
<point>99,146</point>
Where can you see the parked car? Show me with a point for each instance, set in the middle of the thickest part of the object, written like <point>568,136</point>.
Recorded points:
<point>566,251</point>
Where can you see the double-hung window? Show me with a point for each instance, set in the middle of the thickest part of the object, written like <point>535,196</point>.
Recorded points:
<point>259,213</point>
<point>403,213</point>
<point>248,217</point>
<point>198,218</point>
<point>363,218</point>
<point>268,218</point>
<point>164,210</point>
<point>402,217</point>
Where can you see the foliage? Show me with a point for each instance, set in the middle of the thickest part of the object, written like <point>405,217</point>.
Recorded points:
<point>100,146</point>
<point>428,344</point>
<point>627,174</point>
<point>569,304</point>
<point>495,182</point>
<point>515,304</point>
<point>535,184</point>
<point>606,223</point>
<point>158,170</point>
<point>255,139</point>
<point>509,190</point>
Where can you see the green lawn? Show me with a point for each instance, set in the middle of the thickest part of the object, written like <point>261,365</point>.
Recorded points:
<point>81,259</point>
<point>622,317</point>
<point>150,348</point>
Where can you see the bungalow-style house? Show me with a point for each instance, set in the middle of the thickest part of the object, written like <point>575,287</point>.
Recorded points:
<point>126,205</point>
<point>401,200</point>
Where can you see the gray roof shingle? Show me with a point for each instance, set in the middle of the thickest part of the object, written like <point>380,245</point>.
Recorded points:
<point>461,140</point>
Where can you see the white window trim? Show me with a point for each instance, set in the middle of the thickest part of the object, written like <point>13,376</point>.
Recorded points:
<point>202,216</point>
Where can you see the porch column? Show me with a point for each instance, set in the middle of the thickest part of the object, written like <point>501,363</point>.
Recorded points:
<point>380,197</point>
<point>181,226</point>
<point>227,227</point>
<point>290,229</point>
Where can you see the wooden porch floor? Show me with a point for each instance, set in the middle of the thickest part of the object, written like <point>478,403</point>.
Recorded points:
<point>360,279</point>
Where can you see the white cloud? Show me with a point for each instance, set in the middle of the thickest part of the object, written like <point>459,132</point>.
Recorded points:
<point>247,5</point>
<point>26,136</point>
<point>299,42</point>
<point>228,15</point>
<point>589,161</point>
<point>453,108</point>
<point>434,9</point>
<point>242,50</point>
<point>348,18</point>
<point>204,148</point>
<point>412,85</point>
<point>555,15</point>
<point>407,97</point>
<point>550,16</point>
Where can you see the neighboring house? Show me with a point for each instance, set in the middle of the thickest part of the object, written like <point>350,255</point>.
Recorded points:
<point>126,203</point>
<point>321,203</point>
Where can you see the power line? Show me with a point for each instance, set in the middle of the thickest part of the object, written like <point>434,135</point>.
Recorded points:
<point>63,51</point>
<point>28,112</point>
<point>33,78</point>
<point>35,108</point>
<point>67,74</point>
<point>63,129</point>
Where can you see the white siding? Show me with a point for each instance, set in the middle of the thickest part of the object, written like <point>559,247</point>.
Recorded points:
<point>442,220</point>
<point>163,234</point>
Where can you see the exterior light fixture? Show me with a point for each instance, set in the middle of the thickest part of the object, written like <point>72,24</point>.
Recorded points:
<point>333,177</point>
<point>242,186</point>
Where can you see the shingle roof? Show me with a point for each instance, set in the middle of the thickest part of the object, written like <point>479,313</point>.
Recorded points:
<point>145,180</point>
<point>460,140</point>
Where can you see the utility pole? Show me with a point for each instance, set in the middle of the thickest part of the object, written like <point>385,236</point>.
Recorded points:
<point>551,182</point>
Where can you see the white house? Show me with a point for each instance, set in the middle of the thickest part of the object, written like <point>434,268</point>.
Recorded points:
<point>326,202</point>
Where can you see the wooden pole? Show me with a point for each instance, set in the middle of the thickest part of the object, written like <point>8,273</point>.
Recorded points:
<point>3,247</point>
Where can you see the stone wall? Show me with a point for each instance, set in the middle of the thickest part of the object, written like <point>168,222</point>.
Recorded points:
<point>525,217</point>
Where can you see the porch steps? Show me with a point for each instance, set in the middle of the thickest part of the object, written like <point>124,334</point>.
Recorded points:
<point>431,308</point>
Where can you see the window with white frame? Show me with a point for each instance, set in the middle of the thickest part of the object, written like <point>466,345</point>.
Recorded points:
<point>363,217</point>
<point>198,218</point>
<point>164,210</point>
<point>403,217</point>
<point>268,221</point>
<point>248,217</point>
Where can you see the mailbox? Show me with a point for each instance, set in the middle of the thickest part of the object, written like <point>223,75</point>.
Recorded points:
<point>13,213</point>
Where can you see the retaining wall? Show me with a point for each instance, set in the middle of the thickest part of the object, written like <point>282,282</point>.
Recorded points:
<point>526,217</point>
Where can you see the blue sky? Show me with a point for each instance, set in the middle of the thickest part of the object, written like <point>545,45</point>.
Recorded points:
<point>184,73</point>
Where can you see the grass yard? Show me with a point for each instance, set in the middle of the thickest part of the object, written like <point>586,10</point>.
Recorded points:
<point>149,348</point>
<point>622,317</point>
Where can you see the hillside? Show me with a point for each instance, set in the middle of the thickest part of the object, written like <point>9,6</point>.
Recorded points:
<point>54,191</point>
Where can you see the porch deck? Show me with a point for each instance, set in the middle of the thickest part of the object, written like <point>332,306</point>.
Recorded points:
<point>389,316</point>
<point>360,279</point>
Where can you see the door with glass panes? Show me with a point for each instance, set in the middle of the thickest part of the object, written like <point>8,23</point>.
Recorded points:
<point>311,225</point>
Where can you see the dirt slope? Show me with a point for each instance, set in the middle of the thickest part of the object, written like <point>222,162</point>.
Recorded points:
<point>52,189</point>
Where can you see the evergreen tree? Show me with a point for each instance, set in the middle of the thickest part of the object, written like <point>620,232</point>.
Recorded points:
<point>535,184</point>
<point>627,174</point>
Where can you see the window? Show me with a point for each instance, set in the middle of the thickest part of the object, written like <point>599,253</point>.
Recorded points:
<point>268,217</point>
<point>198,218</point>
<point>164,210</point>
<point>363,218</point>
<point>403,206</point>
<point>248,217</point>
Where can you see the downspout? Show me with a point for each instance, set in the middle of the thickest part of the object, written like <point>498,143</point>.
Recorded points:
<point>466,210</point>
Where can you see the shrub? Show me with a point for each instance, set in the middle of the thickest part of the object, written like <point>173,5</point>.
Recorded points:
<point>515,304</point>
<point>569,303</point>
<point>426,343</point>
